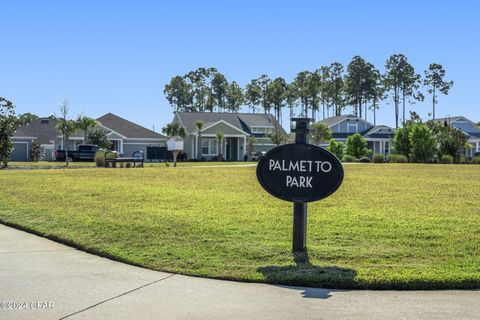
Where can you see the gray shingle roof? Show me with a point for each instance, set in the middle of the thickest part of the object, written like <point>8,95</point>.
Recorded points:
<point>42,129</point>
<point>127,128</point>
<point>242,121</point>
<point>381,131</point>
<point>332,120</point>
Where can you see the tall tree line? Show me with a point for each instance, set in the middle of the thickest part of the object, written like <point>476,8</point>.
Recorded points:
<point>327,91</point>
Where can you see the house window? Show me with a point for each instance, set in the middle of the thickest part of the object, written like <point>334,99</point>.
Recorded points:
<point>209,146</point>
<point>352,126</point>
<point>264,130</point>
<point>116,145</point>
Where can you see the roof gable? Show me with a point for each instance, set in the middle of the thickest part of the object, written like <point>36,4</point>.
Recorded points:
<point>127,128</point>
<point>241,121</point>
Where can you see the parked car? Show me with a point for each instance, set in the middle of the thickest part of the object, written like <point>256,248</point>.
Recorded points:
<point>258,155</point>
<point>85,152</point>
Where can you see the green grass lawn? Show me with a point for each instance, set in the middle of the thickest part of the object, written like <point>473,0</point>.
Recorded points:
<point>395,226</point>
<point>58,164</point>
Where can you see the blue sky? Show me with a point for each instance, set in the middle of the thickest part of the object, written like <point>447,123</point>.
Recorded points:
<point>117,56</point>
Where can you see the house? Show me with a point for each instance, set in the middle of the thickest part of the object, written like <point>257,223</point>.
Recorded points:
<point>378,137</point>
<point>125,136</point>
<point>128,137</point>
<point>42,131</point>
<point>236,128</point>
<point>468,127</point>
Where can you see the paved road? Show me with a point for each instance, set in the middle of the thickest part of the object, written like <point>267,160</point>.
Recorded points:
<point>70,284</point>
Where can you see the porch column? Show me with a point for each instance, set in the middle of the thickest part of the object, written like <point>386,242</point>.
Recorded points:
<point>244,146</point>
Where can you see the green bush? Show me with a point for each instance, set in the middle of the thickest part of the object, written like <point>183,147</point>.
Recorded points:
<point>378,158</point>
<point>446,159</point>
<point>397,158</point>
<point>463,160</point>
<point>476,160</point>
<point>336,147</point>
<point>423,143</point>
<point>36,152</point>
<point>348,158</point>
<point>357,146</point>
<point>364,160</point>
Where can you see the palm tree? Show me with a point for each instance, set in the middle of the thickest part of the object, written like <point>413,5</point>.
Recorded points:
<point>250,142</point>
<point>220,136</point>
<point>320,132</point>
<point>85,123</point>
<point>174,130</point>
<point>66,128</point>
<point>199,125</point>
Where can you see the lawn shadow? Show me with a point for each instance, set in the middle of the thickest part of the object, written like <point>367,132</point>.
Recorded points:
<point>303,275</point>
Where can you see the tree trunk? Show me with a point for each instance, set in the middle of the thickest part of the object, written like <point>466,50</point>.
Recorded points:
<point>395,97</point>
<point>360,108</point>
<point>323,110</point>
<point>199,147</point>
<point>433,114</point>
<point>366,108</point>
<point>175,155</point>
<point>374,114</point>
<point>403,97</point>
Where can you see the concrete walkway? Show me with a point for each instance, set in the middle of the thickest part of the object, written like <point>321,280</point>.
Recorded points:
<point>41,279</point>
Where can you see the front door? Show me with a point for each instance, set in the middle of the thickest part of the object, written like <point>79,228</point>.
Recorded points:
<point>231,149</point>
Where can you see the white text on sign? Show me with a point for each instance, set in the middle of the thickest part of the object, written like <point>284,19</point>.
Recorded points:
<point>299,166</point>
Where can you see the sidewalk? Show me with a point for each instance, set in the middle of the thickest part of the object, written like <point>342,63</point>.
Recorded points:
<point>47,280</point>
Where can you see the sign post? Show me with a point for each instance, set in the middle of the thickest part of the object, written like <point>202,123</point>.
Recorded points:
<point>300,173</point>
<point>299,242</point>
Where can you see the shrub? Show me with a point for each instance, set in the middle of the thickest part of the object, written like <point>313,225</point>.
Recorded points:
<point>364,160</point>
<point>348,158</point>
<point>423,143</point>
<point>357,146</point>
<point>401,141</point>
<point>100,158</point>
<point>463,160</point>
<point>336,147</point>
<point>36,152</point>
<point>378,158</point>
<point>446,159</point>
<point>476,160</point>
<point>397,158</point>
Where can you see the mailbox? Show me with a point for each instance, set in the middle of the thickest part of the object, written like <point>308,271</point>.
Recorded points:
<point>174,143</point>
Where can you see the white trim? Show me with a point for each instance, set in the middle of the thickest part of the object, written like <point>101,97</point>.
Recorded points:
<point>70,138</point>
<point>194,143</point>
<point>226,123</point>
<point>349,118</point>
<point>146,144</point>
<point>17,137</point>
<point>121,144</point>
<point>179,119</point>
<point>147,139</point>
<point>379,128</point>
<point>262,127</point>
<point>111,131</point>
<point>244,146</point>
<point>225,135</point>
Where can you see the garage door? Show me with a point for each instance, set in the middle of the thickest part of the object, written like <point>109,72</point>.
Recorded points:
<point>20,152</point>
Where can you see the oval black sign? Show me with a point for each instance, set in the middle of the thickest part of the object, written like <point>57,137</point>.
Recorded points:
<point>300,172</point>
